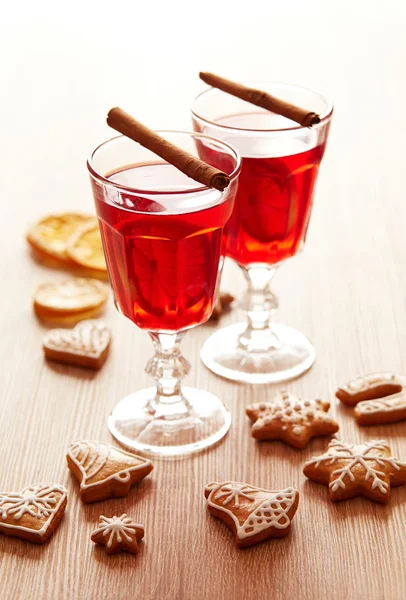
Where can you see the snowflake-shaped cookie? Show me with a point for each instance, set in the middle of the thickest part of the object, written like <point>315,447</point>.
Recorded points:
<point>291,419</point>
<point>118,533</point>
<point>357,470</point>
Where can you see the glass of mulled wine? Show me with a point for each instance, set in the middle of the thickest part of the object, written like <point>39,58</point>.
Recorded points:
<point>280,163</point>
<point>163,239</point>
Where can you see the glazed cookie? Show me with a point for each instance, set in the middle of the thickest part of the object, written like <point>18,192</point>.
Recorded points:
<point>351,470</point>
<point>291,420</point>
<point>253,514</point>
<point>105,471</point>
<point>370,387</point>
<point>86,345</point>
<point>378,398</point>
<point>34,513</point>
<point>118,533</point>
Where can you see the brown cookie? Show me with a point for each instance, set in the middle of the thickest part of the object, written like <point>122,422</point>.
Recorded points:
<point>105,471</point>
<point>351,470</point>
<point>118,533</point>
<point>370,387</point>
<point>34,513</point>
<point>86,345</point>
<point>252,513</point>
<point>378,398</point>
<point>222,305</point>
<point>291,420</point>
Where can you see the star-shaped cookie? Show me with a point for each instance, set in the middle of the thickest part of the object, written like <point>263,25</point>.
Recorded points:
<point>291,420</point>
<point>351,470</point>
<point>118,533</point>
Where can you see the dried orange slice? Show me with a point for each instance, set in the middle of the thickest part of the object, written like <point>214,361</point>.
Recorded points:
<point>85,248</point>
<point>50,236</point>
<point>70,301</point>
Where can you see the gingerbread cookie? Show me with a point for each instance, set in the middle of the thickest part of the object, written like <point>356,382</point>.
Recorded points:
<point>351,470</point>
<point>252,513</point>
<point>34,513</point>
<point>118,533</point>
<point>378,398</point>
<point>105,471</point>
<point>86,345</point>
<point>70,301</point>
<point>222,305</point>
<point>291,420</point>
<point>370,387</point>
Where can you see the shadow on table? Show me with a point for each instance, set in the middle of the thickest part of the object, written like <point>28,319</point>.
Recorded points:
<point>117,506</point>
<point>357,507</point>
<point>70,370</point>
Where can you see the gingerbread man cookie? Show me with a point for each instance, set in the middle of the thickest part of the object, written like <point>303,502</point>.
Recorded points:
<point>351,470</point>
<point>118,533</point>
<point>34,513</point>
<point>86,345</point>
<point>252,513</point>
<point>105,471</point>
<point>378,398</point>
<point>291,420</point>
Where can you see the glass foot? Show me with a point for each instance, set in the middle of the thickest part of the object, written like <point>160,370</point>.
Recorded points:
<point>292,355</point>
<point>198,421</point>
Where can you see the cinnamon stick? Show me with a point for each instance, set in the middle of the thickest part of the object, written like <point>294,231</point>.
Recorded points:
<point>262,99</point>
<point>193,167</point>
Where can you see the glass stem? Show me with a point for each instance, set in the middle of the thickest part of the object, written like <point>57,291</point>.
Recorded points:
<point>259,302</point>
<point>168,367</point>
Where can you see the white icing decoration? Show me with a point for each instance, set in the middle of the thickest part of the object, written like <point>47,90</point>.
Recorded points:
<point>388,404</point>
<point>280,408</point>
<point>342,451</point>
<point>371,381</point>
<point>80,451</point>
<point>272,512</point>
<point>117,527</point>
<point>38,500</point>
<point>88,337</point>
<point>234,492</point>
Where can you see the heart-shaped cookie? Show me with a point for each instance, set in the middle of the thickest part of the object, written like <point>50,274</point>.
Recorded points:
<point>34,513</point>
<point>86,345</point>
<point>105,471</point>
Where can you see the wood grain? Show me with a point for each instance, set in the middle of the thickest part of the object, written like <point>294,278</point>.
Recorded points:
<point>346,292</point>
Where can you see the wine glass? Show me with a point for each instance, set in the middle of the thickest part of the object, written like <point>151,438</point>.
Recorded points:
<point>280,163</point>
<point>163,240</point>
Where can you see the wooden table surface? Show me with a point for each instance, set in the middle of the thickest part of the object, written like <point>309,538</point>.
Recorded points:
<point>60,73</point>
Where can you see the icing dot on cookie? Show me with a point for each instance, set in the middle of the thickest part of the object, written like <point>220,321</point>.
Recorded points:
<point>310,413</point>
<point>297,407</point>
<point>297,430</point>
<point>289,411</point>
<point>284,428</point>
<point>262,406</point>
<point>307,402</point>
<point>278,414</point>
